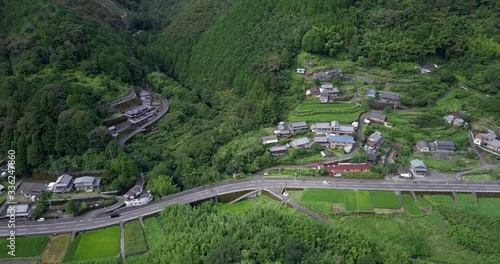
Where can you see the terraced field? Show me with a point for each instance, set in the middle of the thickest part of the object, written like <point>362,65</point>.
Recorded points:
<point>313,111</point>
<point>385,200</point>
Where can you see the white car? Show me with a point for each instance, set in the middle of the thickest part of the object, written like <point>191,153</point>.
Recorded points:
<point>41,219</point>
<point>326,182</point>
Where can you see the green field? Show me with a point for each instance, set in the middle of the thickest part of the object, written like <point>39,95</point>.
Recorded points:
<point>423,202</point>
<point>484,206</point>
<point>477,177</point>
<point>411,206</point>
<point>25,247</point>
<point>313,105</point>
<point>342,118</point>
<point>350,200</point>
<point>449,165</point>
<point>55,249</point>
<point>364,202</point>
<point>99,244</point>
<point>385,200</point>
<point>135,242</point>
<point>332,196</point>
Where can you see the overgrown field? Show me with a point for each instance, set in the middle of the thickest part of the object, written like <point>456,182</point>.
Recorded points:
<point>55,249</point>
<point>412,207</point>
<point>135,242</point>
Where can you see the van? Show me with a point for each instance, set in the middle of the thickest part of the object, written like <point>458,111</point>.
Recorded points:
<point>115,215</point>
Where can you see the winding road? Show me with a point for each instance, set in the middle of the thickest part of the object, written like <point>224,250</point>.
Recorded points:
<point>164,106</point>
<point>78,224</point>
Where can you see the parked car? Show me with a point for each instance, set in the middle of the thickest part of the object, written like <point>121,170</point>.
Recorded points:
<point>41,219</point>
<point>326,182</point>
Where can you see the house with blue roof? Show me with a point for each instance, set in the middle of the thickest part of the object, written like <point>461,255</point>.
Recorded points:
<point>341,141</point>
<point>372,93</point>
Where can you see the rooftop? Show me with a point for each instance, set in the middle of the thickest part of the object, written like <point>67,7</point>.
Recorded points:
<point>386,95</point>
<point>378,115</point>
<point>298,124</point>
<point>278,148</point>
<point>417,163</point>
<point>342,139</point>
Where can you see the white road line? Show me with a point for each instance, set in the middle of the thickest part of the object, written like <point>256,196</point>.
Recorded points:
<point>80,225</point>
<point>41,228</point>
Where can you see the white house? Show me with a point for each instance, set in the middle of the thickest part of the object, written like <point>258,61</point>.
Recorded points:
<point>137,196</point>
<point>301,70</point>
<point>269,140</point>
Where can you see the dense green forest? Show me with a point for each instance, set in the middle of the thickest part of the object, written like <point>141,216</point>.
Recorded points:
<point>207,234</point>
<point>225,65</point>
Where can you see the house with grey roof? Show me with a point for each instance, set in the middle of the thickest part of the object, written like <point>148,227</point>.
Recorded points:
<point>335,125</point>
<point>345,130</point>
<point>87,183</point>
<point>63,184</point>
<point>298,126</point>
<point>278,150</point>
<point>283,130</point>
<point>341,141</point>
<point>428,68</point>
<point>389,97</point>
<point>269,140</point>
<point>377,117</point>
<point>32,189</point>
<point>374,140</point>
<point>371,94</point>
<point>418,168</point>
<point>301,142</point>
<point>322,141</point>
<point>321,128</point>
<point>445,146</point>
<point>18,210</point>
<point>422,146</point>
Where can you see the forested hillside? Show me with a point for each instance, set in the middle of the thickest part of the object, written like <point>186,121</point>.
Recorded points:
<point>261,235</point>
<point>236,59</point>
<point>225,65</point>
<point>56,68</point>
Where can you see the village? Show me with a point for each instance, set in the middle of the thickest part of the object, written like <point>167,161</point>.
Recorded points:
<point>323,123</point>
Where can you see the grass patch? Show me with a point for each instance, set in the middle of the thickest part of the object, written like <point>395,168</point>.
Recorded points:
<point>364,202</point>
<point>55,249</point>
<point>26,247</point>
<point>450,166</point>
<point>477,177</point>
<point>332,196</point>
<point>313,105</point>
<point>385,200</point>
<point>73,247</point>
<point>350,200</point>
<point>484,206</point>
<point>423,202</point>
<point>108,246</point>
<point>314,118</point>
<point>411,206</point>
<point>135,242</point>
<point>236,207</point>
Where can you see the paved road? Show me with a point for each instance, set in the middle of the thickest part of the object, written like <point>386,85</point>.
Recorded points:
<point>207,192</point>
<point>164,106</point>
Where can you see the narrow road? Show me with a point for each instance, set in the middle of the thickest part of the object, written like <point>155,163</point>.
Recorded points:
<point>131,95</point>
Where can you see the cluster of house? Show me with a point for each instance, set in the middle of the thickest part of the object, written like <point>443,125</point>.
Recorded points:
<point>137,196</point>
<point>436,146</point>
<point>137,115</point>
<point>490,141</point>
<point>383,96</point>
<point>326,93</point>
<point>455,119</point>
<point>326,76</point>
<point>331,135</point>
<point>337,169</point>
<point>373,142</point>
<point>64,184</point>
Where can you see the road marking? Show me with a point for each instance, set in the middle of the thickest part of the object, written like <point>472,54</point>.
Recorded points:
<point>440,187</point>
<point>80,225</point>
<point>61,226</point>
<point>41,228</point>
<point>100,221</point>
